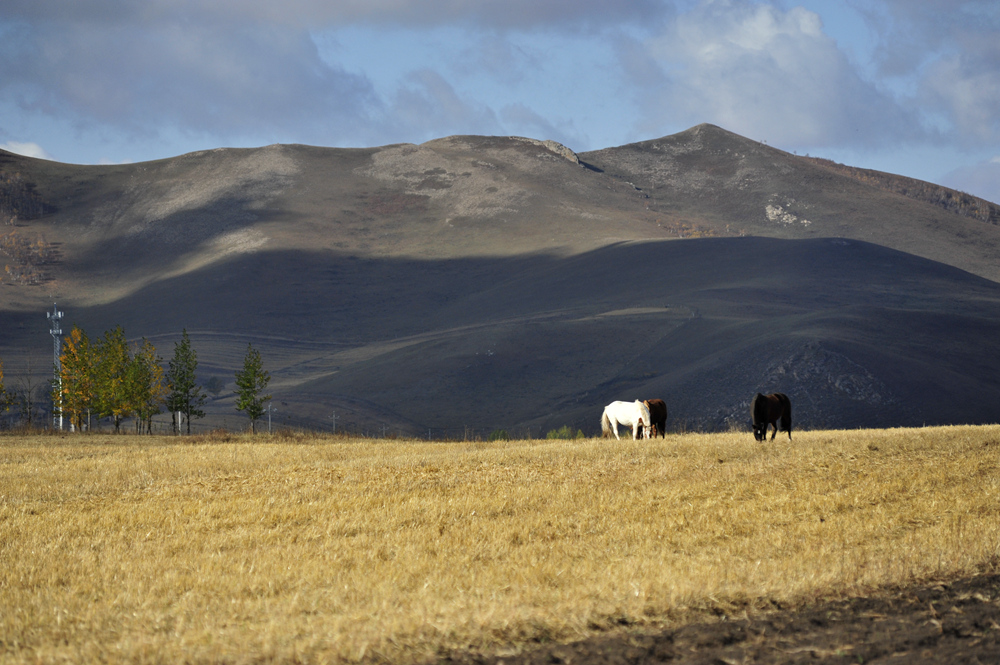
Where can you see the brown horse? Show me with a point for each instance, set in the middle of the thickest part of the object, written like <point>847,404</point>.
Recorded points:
<point>773,410</point>
<point>657,417</point>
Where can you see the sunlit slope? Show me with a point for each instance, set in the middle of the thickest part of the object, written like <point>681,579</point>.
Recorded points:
<point>116,228</point>
<point>731,184</point>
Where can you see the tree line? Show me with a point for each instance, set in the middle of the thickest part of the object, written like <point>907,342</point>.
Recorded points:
<point>108,378</point>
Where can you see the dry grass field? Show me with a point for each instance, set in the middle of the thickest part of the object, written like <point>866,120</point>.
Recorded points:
<point>305,549</point>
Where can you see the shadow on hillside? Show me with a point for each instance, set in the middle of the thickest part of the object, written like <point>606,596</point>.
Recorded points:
<point>856,334</point>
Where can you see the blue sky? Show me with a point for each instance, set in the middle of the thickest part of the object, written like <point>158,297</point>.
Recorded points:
<point>906,86</point>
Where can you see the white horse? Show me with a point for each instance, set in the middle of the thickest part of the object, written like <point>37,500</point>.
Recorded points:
<point>634,414</point>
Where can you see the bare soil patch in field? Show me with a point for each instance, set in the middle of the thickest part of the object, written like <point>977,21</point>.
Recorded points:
<point>946,622</point>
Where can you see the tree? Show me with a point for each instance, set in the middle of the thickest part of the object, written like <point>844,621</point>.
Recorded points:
<point>186,396</point>
<point>77,378</point>
<point>251,382</point>
<point>111,377</point>
<point>145,387</point>
<point>26,395</point>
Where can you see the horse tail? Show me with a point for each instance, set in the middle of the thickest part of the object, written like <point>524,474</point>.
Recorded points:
<point>605,424</point>
<point>787,417</point>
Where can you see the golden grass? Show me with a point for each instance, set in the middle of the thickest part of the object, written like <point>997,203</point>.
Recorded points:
<point>122,549</point>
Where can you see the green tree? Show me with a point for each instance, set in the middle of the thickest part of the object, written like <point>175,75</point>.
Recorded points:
<point>186,396</point>
<point>111,383</point>
<point>146,391</point>
<point>251,382</point>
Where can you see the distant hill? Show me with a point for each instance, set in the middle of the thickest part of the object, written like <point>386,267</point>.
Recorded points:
<point>478,283</point>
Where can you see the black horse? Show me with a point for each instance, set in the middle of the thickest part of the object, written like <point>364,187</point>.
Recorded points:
<point>774,410</point>
<point>657,417</point>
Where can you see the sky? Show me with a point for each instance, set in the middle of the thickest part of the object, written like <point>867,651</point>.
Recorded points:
<point>905,86</point>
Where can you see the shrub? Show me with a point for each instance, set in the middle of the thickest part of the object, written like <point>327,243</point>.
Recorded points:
<point>565,432</point>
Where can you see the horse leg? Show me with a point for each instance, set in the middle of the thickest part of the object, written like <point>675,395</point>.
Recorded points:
<point>775,432</point>
<point>614,424</point>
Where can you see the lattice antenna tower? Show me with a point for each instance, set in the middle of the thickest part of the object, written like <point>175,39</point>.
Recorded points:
<point>55,316</point>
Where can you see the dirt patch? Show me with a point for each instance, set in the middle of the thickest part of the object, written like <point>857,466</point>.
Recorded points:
<point>958,622</point>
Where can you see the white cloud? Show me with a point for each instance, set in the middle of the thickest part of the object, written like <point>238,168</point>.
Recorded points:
<point>966,91</point>
<point>767,74</point>
<point>948,52</point>
<point>192,77</point>
<point>26,149</point>
<point>426,107</point>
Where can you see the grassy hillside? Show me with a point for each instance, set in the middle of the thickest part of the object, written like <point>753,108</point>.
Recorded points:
<point>476,283</point>
<point>121,549</point>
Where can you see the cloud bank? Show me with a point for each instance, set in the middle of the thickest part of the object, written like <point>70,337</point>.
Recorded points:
<point>26,149</point>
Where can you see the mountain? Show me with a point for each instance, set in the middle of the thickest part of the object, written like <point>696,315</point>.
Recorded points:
<point>473,283</point>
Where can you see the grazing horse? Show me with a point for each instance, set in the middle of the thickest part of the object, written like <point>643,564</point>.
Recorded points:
<point>634,414</point>
<point>774,410</point>
<point>657,417</point>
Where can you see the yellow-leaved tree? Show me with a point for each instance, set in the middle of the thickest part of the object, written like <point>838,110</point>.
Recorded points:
<point>76,378</point>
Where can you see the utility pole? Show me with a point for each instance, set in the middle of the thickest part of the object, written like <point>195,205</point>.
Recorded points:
<point>55,316</point>
<point>333,417</point>
<point>269,416</point>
